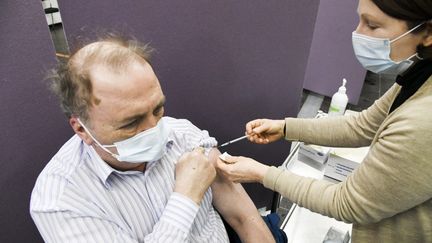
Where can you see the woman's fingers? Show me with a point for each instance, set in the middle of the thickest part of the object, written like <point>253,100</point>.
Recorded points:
<point>251,125</point>
<point>264,127</point>
<point>225,157</point>
<point>259,130</point>
<point>259,139</point>
<point>257,126</point>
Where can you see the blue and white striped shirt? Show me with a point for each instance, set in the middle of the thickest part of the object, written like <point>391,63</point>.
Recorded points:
<point>79,198</point>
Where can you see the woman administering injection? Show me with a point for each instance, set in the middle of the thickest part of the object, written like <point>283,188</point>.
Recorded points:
<point>389,197</point>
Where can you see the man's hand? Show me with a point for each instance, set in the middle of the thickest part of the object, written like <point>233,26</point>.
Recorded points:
<point>194,175</point>
<point>241,169</point>
<point>263,131</point>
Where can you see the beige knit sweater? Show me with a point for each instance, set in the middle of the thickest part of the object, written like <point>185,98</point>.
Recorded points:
<point>388,198</point>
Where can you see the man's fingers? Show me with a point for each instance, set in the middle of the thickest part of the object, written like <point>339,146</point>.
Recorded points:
<point>199,150</point>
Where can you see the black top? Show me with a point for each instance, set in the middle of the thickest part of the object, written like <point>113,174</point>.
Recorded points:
<point>411,81</point>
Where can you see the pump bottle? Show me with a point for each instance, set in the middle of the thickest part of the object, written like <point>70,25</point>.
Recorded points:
<point>339,101</point>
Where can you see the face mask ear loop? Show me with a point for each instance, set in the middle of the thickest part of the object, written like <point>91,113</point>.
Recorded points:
<point>418,56</point>
<point>413,55</point>
<point>407,33</point>
<point>97,142</point>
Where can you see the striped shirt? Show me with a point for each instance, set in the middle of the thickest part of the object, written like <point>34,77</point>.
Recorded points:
<point>79,198</point>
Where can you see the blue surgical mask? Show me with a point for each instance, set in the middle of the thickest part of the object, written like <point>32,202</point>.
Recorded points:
<point>374,54</point>
<point>145,146</point>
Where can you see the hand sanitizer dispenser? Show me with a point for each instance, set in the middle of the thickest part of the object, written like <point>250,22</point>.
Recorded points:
<point>339,101</point>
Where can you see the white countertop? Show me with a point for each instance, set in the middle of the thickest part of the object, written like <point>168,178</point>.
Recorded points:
<point>303,225</point>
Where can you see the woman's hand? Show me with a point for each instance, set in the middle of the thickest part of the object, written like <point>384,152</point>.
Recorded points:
<point>264,131</point>
<point>241,169</point>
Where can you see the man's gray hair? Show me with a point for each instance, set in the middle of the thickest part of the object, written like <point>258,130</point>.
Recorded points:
<point>70,80</point>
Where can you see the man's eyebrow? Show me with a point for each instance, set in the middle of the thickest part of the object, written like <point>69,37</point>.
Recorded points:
<point>127,120</point>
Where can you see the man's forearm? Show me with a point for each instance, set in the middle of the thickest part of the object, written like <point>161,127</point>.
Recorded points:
<point>253,229</point>
<point>176,220</point>
<point>235,206</point>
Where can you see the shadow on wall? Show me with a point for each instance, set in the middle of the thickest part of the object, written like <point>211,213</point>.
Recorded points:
<point>33,127</point>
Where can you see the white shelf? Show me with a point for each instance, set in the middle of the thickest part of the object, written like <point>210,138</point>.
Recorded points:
<point>303,225</point>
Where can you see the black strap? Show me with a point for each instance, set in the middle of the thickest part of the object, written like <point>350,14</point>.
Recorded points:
<point>411,81</point>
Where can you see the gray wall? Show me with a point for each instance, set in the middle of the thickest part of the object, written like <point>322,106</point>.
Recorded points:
<point>221,63</point>
<point>331,56</point>
<point>32,127</point>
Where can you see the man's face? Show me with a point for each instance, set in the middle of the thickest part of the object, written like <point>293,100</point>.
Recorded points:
<point>128,103</point>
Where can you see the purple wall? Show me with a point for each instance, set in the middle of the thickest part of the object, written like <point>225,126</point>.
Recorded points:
<point>33,128</point>
<point>331,56</point>
<point>220,63</point>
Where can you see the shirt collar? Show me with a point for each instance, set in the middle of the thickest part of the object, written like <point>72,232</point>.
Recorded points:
<point>102,169</point>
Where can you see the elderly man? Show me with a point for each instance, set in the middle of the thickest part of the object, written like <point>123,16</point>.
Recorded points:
<point>129,174</point>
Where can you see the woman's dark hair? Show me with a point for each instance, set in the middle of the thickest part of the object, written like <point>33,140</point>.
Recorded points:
<point>414,12</point>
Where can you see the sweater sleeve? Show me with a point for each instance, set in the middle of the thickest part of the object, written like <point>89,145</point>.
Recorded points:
<point>394,176</point>
<point>348,131</point>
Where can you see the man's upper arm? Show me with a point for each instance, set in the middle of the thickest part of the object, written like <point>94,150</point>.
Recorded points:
<point>236,207</point>
<point>229,198</point>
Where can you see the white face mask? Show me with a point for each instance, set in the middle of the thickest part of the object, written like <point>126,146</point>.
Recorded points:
<point>145,146</point>
<point>374,54</point>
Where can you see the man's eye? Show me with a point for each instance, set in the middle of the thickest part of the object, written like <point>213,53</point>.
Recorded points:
<point>158,110</point>
<point>130,125</point>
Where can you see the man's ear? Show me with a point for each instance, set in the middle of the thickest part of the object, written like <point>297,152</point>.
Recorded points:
<point>427,41</point>
<point>80,131</point>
